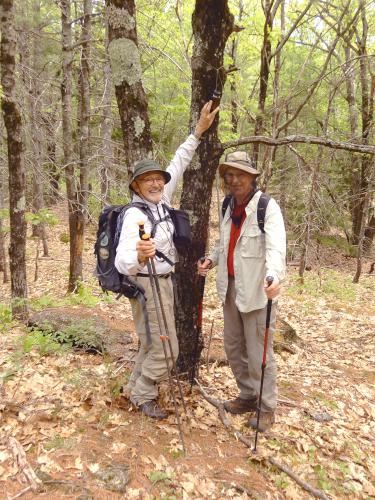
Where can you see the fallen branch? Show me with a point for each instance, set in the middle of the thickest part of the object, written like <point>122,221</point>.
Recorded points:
<point>20,459</point>
<point>224,418</point>
<point>20,493</point>
<point>306,486</point>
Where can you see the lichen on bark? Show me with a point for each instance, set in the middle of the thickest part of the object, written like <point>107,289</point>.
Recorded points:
<point>139,126</point>
<point>125,61</point>
<point>120,18</point>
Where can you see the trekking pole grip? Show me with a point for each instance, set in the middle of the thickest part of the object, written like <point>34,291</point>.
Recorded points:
<point>142,233</point>
<point>269,280</point>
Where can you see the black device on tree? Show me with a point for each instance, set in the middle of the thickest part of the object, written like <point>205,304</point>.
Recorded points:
<point>216,96</point>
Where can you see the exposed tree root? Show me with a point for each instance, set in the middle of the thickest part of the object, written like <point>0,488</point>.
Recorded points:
<point>226,421</point>
<point>23,465</point>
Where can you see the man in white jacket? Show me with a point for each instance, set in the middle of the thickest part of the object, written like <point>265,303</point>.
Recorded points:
<point>245,256</point>
<point>153,186</point>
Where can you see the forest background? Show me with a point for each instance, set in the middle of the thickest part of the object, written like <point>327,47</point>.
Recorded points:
<point>89,86</point>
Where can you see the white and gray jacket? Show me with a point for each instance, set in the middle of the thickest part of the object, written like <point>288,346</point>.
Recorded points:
<point>126,261</point>
<point>256,255</point>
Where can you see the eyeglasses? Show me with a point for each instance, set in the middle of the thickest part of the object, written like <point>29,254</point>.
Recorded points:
<point>229,177</point>
<point>150,180</point>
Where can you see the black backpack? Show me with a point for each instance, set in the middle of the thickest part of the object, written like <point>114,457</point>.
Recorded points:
<point>107,239</point>
<point>261,208</point>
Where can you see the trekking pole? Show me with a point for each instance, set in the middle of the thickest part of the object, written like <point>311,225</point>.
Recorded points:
<point>269,280</point>
<point>144,236</point>
<point>166,328</point>
<point>202,280</point>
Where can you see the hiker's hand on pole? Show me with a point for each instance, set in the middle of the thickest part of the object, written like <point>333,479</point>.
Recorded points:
<point>203,267</point>
<point>146,250</point>
<point>205,120</point>
<point>273,290</point>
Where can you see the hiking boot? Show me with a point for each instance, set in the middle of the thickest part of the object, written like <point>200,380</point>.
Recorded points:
<point>240,405</point>
<point>151,409</point>
<point>266,419</point>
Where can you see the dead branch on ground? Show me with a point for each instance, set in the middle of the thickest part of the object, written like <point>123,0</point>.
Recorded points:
<point>224,418</point>
<point>24,467</point>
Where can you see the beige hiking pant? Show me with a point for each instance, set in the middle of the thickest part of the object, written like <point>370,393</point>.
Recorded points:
<point>244,342</point>
<point>150,366</point>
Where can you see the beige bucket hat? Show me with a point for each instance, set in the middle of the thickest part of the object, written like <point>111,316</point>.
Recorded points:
<point>240,160</point>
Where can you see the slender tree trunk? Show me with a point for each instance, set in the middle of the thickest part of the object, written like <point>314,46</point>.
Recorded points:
<point>51,168</point>
<point>78,215</point>
<point>17,178</point>
<point>265,57</point>
<point>312,206</point>
<point>270,152</point>
<point>38,229</point>
<point>354,200</point>
<point>233,85</point>
<point>210,36</point>
<point>127,77</point>
<point>3,261</point>
<point>66,99</point>
<point>367,119</point>
<point>106,128</point>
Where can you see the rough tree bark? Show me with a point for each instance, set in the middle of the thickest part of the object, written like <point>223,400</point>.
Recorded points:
<point>66,101</point>
<point>367,119</point>
<point>265,58</point>
<point>39,229</point>
<point>212,24</point>
<point>78,212</point>
<point>3,261</point>
<point>17,178</point>
<point>106,126</point>
<point>127,78</point>
<point>233,85</point>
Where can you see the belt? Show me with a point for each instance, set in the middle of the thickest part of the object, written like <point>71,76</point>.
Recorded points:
<point>166,275</point>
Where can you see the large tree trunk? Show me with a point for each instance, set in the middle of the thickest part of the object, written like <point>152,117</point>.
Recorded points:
<point>212,25</point>
<point>127,77</point>
<point>17,184</point>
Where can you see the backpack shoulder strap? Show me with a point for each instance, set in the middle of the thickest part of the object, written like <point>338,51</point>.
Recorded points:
<point>225,204</point>
<point>261,210</point>
<point>147,211</point>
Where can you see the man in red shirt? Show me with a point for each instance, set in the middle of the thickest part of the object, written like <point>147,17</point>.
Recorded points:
<point>245,256</point>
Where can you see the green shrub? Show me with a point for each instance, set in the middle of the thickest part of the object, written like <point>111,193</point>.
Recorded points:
<point>43,342</point>
<point>83,297</point>
<point>64,237</point>
<point>5,317</point>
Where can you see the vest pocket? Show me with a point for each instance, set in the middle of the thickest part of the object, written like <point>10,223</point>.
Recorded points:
<point>251,246</point>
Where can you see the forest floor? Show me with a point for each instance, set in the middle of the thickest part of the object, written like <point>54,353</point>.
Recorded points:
<point>84,440</point>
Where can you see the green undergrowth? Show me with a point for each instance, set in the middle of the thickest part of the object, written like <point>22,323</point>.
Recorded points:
<point>338,243</point>
<point>333,286</point>
<point>82,334</point>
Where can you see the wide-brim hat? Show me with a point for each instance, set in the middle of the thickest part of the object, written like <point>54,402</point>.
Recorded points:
<point>240,160</point>
<point>145,166</point>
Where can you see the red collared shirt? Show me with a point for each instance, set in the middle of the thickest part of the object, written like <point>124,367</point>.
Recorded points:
<point>238,212</point>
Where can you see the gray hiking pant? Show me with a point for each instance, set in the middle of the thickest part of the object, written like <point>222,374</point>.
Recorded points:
<point>244,342</point>
<point>150,366</point>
